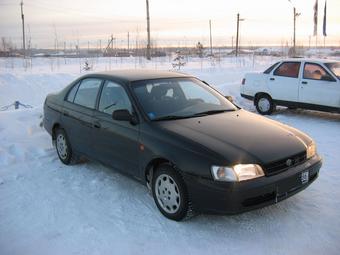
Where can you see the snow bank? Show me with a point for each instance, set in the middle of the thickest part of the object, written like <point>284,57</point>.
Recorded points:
<point>49,208</point>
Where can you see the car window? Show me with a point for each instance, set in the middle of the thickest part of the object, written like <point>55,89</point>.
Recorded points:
<point>114,97</point>
<point>87,92</point>
<point>72,93</point>
<point>316,72</point>
<point>192,91</point>
<point>178,97</point>
<point>270,69</point>
<point>288,69</point>
<point>335,68</point>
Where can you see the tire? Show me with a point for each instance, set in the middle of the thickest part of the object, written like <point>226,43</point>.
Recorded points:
<point>264,104</point>
<point>170,193</point>
<point>63,147</point>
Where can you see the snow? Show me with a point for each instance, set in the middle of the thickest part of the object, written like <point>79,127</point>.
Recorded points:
<point>49,208</point>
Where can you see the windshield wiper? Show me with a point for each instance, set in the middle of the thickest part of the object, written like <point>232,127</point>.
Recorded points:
<point>211,112</point>
<point>176,117</point>
<point>170,117</point>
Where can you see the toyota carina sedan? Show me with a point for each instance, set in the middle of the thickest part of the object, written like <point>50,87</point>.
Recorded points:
<point>193,148</point>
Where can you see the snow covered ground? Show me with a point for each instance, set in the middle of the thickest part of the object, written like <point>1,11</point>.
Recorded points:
<point>49,208</point>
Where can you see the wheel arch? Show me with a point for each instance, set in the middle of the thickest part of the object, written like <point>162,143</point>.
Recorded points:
<point>151,166</point>
<point>54,129</point>
<point>258,94</point>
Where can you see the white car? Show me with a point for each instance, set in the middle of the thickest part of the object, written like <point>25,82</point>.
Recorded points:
<point>295,83</point>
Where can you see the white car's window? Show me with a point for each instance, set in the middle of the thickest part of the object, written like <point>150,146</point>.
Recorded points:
<point>270,69</point>
<point>87,92</point>
<point>288,69</point>
<point>335,68</point>
<point>316,72</point>
<point>114,97</point>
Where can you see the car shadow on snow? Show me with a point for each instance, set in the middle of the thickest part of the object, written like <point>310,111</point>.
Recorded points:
<point>138,202</point>
<point>306,114</point>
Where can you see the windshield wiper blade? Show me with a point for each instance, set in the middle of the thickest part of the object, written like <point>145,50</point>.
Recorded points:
<point>170,117</point>
<point>212,112</point>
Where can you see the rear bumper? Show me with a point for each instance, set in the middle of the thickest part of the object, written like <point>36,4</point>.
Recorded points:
<point>209,196</point>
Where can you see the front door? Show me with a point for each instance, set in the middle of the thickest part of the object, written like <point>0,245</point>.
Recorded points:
<point>284,82</point>
<point>318,87</point>
<point>116,143</point>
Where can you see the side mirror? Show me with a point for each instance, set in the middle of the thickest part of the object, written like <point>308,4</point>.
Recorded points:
<point>124,115</point>
<point>230,98</point>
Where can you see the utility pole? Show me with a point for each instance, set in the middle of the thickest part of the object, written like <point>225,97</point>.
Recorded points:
<point>295,15</point>
<point>237,34</point>
<point>128,45</point>
<point>148,48</point>
<point>23,27</point>
<point>211,51</point>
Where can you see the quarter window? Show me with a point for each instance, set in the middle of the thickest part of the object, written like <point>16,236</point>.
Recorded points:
<point>315,72</point>
<point>270,69</point>
<point>114,97</point>
<point>72,93</point>
<point>87,92</point>
<point>288,69</point>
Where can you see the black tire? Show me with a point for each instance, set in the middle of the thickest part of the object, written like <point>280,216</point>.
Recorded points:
<point>183,208</point>
<point>65,154</point>
<point>264,104</point>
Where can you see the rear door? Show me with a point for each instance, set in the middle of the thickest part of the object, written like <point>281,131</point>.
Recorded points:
<point>116,143</point>
<point>77,116</point>
<point>283,83</point>
<point>318,86</point>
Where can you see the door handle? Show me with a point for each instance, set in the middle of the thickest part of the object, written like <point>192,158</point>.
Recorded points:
<point>96,124</point>
<point>272,79</point>
<point>65,113</point>
<point>304,82</point>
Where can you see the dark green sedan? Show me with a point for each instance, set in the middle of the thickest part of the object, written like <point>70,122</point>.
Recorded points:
<point>193,148</point>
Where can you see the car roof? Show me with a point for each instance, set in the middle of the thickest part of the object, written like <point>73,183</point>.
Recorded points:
<point>138,74</point>
<point>314,60</point>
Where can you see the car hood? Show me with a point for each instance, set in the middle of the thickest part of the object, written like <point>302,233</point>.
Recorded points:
<point>239,136</point>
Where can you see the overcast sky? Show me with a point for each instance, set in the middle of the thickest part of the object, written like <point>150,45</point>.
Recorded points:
<point>173,22</point>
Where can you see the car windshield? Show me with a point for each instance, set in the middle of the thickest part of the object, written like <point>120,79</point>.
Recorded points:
<point>335,68</point>
<point>175,98</point>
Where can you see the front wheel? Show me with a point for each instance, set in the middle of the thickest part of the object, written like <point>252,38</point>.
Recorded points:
<point>264,104</point>
<point>170,194</point>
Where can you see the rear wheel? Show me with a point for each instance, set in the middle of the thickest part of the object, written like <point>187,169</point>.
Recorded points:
<point>170,193</point>
<point>63,146</point>
<point>264,104</point>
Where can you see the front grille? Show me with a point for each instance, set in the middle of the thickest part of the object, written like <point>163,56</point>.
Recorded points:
<point>283,164</point>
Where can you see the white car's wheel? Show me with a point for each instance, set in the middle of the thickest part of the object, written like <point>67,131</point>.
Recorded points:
<point>264,104</point>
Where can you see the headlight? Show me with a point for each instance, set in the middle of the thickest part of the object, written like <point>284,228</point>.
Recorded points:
<point>311,150</point>
<point>236,173</point>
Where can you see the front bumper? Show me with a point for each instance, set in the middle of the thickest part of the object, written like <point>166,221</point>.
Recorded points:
<point>210,196</point>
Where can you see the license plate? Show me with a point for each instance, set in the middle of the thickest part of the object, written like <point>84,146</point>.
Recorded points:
<point>304,177</point>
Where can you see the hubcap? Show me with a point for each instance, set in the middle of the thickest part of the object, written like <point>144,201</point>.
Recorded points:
<point>167,193</point>
<point>62,146</point>
<point>264,104</point>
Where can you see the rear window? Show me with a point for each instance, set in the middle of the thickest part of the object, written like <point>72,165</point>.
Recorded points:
<point>270,69</point>
<point>87,93</point>
<point>288,69</point>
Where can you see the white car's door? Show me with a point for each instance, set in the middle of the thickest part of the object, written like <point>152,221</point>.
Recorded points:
<point>318,86</point>
<point>284,82</point>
